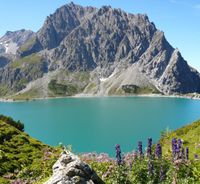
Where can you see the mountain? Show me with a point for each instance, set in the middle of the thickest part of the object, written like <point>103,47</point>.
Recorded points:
<point>102,52</point>
<point>11,41</point>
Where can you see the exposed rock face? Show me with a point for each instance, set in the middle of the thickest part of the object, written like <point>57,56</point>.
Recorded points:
<point>69,169</point>
<point>61,24</point>
<point>4,60</point>
<point>114,48</point>
<point>11,41</point>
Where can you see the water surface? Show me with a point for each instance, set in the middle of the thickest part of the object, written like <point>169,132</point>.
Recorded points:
<point>97,124</point>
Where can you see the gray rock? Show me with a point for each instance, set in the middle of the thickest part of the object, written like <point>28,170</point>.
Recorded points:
<point>69,169</point>
<point>4,60</point>
<point>11,41</point>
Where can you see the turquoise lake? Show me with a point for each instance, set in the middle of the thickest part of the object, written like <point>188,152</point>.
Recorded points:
<point>98,124</point>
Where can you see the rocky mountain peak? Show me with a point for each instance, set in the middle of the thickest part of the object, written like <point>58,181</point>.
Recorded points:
<point>117,50</point>
<point>58,25</point>
<point>12,40</point>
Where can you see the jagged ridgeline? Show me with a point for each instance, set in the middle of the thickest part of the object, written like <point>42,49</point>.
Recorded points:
<point>87,50</point>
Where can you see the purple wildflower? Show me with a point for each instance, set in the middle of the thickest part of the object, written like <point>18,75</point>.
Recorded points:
<point>179,143</point>
<point>187,153</point>
<point>158,151</point>
<point>196,157</point>
<point>176,148</point>
<point>149,148</point>
<point>162,173</point>
<point>140,148</point>
<point>118,154</point>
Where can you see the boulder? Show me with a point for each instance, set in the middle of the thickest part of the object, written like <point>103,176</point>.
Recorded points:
<point>69,169</point>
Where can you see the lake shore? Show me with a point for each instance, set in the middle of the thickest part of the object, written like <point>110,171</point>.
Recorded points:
<point>82,95</point>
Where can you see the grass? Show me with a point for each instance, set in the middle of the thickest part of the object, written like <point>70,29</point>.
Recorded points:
<point>31,94</point>
<point>23,157</point>
<point>32,59</point>
<point>190,136</point>
<point>116,91</point>
<point>91,87</point>
<point>5,90</point>
<point>133,89</point>
<point>27,44</point>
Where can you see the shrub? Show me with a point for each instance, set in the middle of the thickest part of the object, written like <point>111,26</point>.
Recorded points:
<point>17,124</point>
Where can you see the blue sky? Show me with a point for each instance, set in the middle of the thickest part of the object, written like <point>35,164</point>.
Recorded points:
<point>179,19</point>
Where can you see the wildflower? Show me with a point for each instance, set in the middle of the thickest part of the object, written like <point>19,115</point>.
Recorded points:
<point>174,148</point>
<point>158,151</point>
<point>149,148</point>
<point>187,153</point>
<point>196,157</point>
<point>162,173</point>
<point>179,143</point>
<point>118,154</point>
<point>140,148</point>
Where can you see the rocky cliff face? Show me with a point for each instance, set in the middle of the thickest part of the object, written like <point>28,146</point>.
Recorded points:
<point>114,49</point>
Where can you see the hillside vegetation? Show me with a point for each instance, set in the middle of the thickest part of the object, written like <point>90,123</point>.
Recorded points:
<point>189,134</point>
<point>22,157</point>
<point>174,159</point>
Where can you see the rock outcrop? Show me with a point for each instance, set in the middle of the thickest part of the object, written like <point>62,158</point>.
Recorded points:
<point>69,169</point>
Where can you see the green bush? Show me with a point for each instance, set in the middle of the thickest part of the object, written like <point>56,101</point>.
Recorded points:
<point>17,124</point>
<point>61,89</point>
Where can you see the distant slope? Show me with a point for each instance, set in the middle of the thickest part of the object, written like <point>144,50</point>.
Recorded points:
<point>122,54</point>
<point>22,156</point>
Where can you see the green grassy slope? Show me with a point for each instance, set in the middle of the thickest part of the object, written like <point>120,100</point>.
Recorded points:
<point>23,157</point>
<point>190,134</point>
